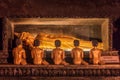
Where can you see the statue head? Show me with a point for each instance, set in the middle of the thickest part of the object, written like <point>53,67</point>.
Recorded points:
<point>95,43</point>
<point>57,43</point>
<point>18,42</point>
<point>36,42</point>
<point>76,42</point>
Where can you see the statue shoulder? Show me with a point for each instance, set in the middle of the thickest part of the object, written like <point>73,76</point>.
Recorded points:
<point>61,50</point>
<point>101,50</point>
<point>92,49</point>
<point>80,49</point>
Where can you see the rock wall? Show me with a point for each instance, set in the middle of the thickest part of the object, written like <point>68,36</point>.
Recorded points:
<point>60,8</point>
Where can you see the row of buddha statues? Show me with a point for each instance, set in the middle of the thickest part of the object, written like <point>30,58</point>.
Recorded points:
<point>57,54</point>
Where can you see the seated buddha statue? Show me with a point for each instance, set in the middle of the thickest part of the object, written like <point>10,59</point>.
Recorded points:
<point>95,53</point>
<point>19,54</point>
<point>38,54</point>
<point>58,54</point>
<point>77,54</point>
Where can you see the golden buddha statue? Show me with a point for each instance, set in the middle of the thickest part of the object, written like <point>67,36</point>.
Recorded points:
<point>77,54</point>
<point>19,54</point>
<point>95,53</point>
<point>26,37</point>
<point>47,40</point>
<point>38,54</point>
<point>58,54</point>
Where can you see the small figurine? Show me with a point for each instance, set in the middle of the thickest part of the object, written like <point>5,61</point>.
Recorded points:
<point>19,54</point>
<point>58,54</point>
<point>77,54</point>
<point>95,53</point>
<point>38,54</point>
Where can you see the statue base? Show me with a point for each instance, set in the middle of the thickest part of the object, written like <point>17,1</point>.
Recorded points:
<point>60,72</point>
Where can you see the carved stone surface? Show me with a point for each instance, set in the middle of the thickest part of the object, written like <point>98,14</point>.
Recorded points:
<point>3,57</point>
<point>59,70</point>
<point>5,36</point>
<point>59,78</point>
<point>4,54</point>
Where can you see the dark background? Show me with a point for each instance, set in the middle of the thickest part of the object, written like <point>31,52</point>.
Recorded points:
<point>60,8</point>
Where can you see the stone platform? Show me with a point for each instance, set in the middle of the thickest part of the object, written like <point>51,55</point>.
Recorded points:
<point>60,72</point>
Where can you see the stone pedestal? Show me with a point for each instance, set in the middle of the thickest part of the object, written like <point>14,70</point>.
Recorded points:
<point>110,57</point>
<point>58,72</point>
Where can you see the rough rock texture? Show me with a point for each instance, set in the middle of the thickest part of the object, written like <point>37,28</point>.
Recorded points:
<point>60,8</point>
<point>60,71</point>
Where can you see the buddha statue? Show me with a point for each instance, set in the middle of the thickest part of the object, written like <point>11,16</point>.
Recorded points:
<point>38,54</point>
<point>95,53</point>
<point>19,54</point>
<point>58,54</point>
<point>77,54</point>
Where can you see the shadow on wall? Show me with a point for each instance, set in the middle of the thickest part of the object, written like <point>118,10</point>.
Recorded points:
<point>116,35</point>
<point>0,33</point>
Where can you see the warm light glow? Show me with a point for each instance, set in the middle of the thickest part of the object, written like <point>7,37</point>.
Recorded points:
<point>47,41</point>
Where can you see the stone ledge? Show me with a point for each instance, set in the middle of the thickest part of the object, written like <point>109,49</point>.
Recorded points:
<point>60,78</point>
<point>59,70</point>
<point>107,66</point>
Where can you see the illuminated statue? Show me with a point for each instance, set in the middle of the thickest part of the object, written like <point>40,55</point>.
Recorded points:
<point>38,54</point>
<point>26,37</point>
<point>47,41</point>
<point>77,54</point>
<point>19,54</point>
<point>58,54</point>
<point>95,53</point>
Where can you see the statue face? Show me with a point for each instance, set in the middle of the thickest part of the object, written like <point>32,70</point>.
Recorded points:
<point>57,43</point>
<point>36,42</point>
<point>95,43</point>
<point>76,42</point>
